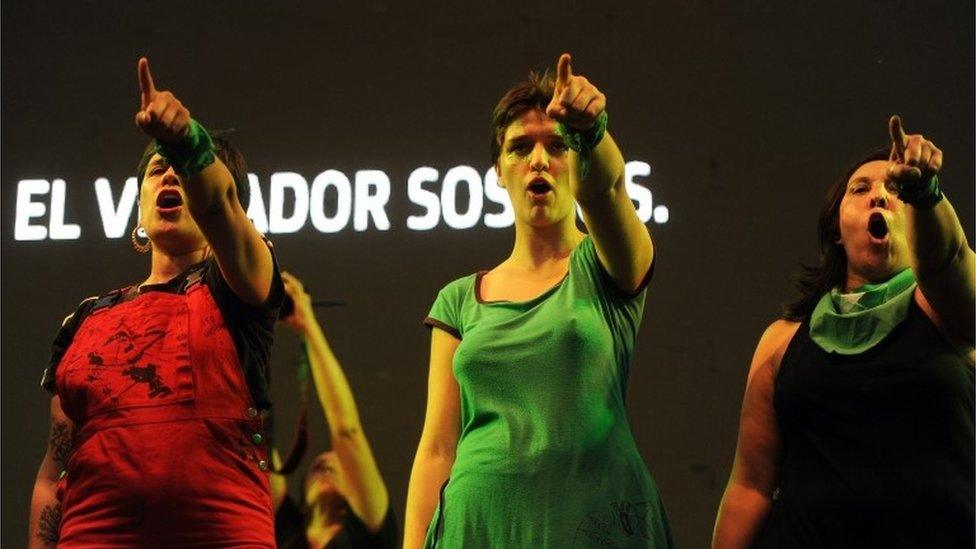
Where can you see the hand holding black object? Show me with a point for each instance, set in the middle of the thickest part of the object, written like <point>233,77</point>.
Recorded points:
<point>296,311</point>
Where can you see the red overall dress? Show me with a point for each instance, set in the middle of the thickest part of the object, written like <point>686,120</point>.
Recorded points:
<point>169,450</point>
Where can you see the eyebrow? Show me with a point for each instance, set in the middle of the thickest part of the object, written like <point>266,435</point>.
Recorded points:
<point>156,161</point>
<point>523,136</point>
<point>862,179</point>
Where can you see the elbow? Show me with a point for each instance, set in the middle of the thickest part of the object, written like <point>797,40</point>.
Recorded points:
<point>437,451</point>
<point>349,433</point>
<point>207,208</point>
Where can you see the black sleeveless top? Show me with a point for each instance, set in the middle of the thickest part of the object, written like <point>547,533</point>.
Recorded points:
<point>290,531</point>
<point>878,448</point>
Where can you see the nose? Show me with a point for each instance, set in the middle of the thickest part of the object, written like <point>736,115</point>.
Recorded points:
<point>170,177</point>
<point>880,195</point>
<point>539,160</point>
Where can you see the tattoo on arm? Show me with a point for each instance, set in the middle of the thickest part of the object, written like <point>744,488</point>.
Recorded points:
<point>49,527</point>
<point>62,444</point>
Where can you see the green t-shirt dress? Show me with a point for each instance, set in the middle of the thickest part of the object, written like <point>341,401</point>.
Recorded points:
<point>545,456</point>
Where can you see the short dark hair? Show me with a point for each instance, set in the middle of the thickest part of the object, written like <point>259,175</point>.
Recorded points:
<point>813,282</point>
<point>227,153</point>
<point>534,93</point>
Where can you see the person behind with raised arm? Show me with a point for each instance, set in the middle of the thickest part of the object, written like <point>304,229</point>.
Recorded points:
<point>345,502</point>
<point>857,421</point>
<point>155,436</point>
<point>526,441</point>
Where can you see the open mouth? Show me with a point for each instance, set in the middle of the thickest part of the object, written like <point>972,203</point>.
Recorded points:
<point>169,200</point>
<point>877,226</point>
<point>539,187</point>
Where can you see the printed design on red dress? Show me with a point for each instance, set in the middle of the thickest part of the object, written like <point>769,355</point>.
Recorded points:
<point>143,363</point>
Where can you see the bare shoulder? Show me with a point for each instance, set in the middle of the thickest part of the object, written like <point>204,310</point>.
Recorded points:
<point>772,345</point>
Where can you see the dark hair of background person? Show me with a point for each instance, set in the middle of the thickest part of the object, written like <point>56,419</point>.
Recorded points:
<point>534,93</point>
<point>815,281</point>
<point>225,151</point>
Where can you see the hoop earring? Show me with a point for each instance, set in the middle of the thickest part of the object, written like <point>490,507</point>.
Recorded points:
<point>139,246</point>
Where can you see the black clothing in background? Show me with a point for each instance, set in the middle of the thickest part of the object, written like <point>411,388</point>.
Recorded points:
<point>878,448</point>
<point>290,531</point>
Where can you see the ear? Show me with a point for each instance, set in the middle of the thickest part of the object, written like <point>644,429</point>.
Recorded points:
<point>499,178</point>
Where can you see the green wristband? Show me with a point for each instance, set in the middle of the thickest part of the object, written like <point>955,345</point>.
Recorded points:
<point>584,141</point>
<point>190,155</point>
<point>923,195</point>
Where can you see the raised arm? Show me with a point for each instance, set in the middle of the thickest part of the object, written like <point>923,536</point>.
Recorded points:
<point>244,259</point>
<point>438,442</point>
<point>367,494</point>
<point>623,243</point>
<point>748,495</point>
<point>45,511</point>
<point>944,264</point>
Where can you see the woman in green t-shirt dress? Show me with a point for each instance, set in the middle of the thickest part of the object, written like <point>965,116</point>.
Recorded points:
<point>526,441</point>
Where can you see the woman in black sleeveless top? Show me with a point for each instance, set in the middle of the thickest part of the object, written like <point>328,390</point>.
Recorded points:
<point>344,501</point>
<point>857,421</point>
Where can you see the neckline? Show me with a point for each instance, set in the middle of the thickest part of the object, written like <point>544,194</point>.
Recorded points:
<point>548,291</point>
<point>477,291</point>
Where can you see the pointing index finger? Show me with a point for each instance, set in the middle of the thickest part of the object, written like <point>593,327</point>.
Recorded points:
<point>146,85</point>
<point>563,70</point>
<point>897,134</point>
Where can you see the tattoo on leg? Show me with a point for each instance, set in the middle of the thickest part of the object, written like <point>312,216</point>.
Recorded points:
<point>49,526</point>
<point>61,444</point>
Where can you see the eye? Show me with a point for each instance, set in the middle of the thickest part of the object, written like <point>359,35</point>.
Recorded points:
<point>859,189</point>
<point>519,147</point>
<point>891,186</point>
<point>157,170</point>
<point>558,146</point>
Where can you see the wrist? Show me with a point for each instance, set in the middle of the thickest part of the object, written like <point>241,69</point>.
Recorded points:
<point>584,141</point>
<point>192,153</point>
<point>923,194</point>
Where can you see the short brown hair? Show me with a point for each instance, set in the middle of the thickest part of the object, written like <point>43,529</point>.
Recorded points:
<point>225,151</point>
<point>534,93</point>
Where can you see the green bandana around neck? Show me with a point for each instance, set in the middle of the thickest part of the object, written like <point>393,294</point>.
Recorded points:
<point>850,324</point>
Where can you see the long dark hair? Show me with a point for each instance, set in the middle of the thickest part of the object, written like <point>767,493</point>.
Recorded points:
<point>815,281</point>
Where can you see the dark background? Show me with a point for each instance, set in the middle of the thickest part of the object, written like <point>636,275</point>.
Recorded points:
<point>745,110</point>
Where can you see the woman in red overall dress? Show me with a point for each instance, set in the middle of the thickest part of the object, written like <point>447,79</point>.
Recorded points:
<point>156,434</point>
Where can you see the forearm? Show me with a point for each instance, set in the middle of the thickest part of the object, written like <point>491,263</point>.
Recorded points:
<point>740,516</point>
<point>210,191</point>
<point>937,239</point>
<point>622,241</point>
<point>331,385</point>
<point>606,172</point>
<point>945,267</point>
<point>429,473</point>
<point>45,515</point>
<point>244,258</point>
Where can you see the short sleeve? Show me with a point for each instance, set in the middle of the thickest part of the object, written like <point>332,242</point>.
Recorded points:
<point>251,327</point>
<point>232,305</point>
<point>622,311</point>
<point>63,339</point>
<point>445,313</point>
